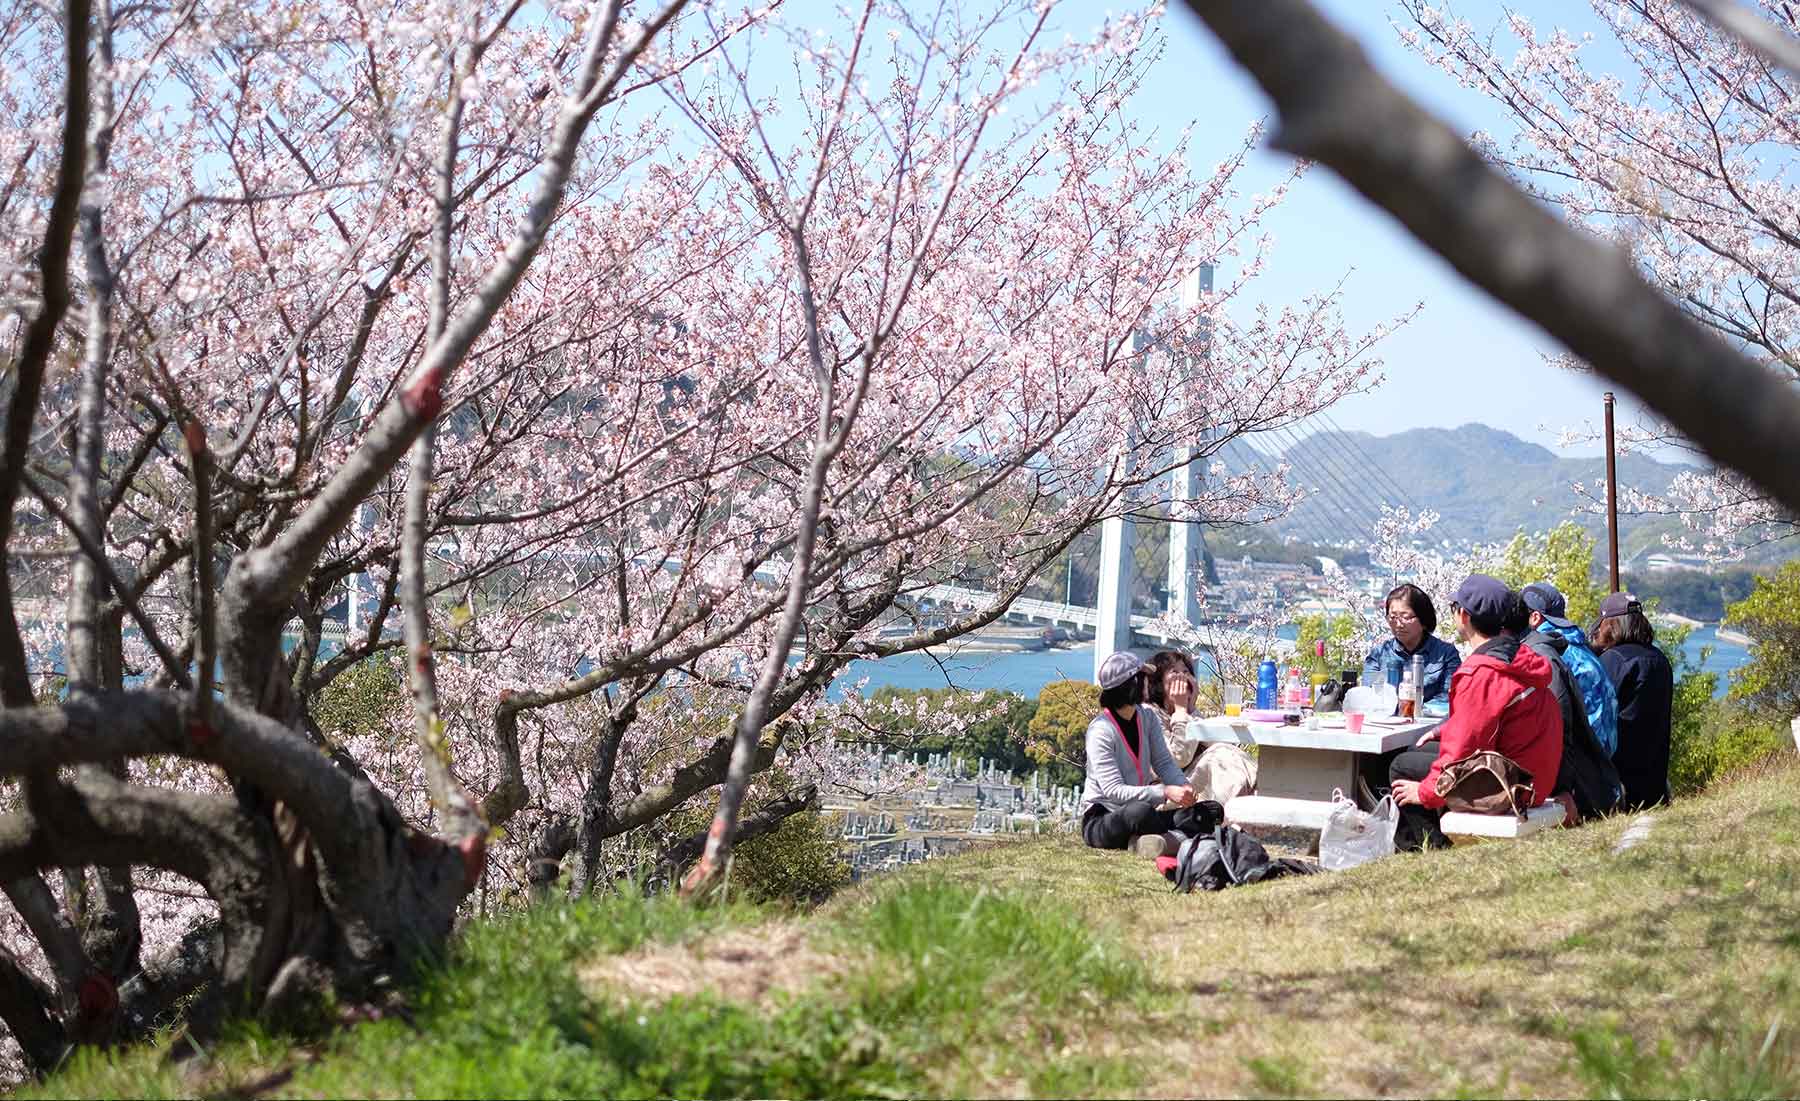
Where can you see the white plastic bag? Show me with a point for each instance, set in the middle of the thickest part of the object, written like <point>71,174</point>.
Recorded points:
<point>1352,836</point>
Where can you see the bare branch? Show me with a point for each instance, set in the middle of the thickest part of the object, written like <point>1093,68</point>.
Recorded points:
<point>176,669</point>
<point>40,335</point>
<point>206,613</point>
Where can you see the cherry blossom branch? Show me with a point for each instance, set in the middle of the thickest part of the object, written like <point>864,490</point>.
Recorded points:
<point>25,1009</point>
<point>271,574</point>
<point>1759,34</point>
<point>447,793</point>
<point>172,665</point>
<point>1337,109</point>
<point>40,334</point>
<point>50,925</point>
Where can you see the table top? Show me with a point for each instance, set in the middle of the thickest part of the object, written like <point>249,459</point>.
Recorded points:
<point>1375,737</point>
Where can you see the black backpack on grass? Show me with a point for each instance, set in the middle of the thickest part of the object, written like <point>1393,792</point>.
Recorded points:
<point>1227,857</point>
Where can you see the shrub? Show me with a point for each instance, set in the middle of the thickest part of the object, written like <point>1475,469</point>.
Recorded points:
<point>1710,742</point>
<point>800,862</point>
<point>1058,729</point>
<point>360,701</point>
<point>1770,683</point>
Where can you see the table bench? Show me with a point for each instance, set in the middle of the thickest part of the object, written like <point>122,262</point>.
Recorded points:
<point>1459,824</point>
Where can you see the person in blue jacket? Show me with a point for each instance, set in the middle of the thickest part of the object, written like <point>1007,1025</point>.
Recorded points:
<point>1413,621</point>
<point>1549,614</point>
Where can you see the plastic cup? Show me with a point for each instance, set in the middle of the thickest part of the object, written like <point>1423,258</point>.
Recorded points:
<point>1234,699</point>
<point>1353,721</point>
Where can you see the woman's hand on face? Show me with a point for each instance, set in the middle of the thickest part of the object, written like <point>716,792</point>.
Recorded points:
<point>1178,690</point>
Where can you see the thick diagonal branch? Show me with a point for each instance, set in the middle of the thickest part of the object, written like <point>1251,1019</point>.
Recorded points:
<point>1337,109</point>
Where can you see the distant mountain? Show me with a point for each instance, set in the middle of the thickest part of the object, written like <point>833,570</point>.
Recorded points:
<point>1485,483</point>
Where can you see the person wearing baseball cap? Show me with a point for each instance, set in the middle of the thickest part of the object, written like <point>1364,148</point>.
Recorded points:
<point>1500,700</point>
<point>1645,683</point>
<point>1130,771</point>
<point>1549,621</point>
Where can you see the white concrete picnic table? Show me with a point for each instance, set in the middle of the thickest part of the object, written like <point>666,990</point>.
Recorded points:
<point>1293,762</point>
<point>1298,769</point>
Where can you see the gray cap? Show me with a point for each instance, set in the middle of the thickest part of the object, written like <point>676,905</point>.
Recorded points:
<point>1119,667</point>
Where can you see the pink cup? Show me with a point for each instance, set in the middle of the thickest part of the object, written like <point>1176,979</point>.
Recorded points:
<point>1353,721</point>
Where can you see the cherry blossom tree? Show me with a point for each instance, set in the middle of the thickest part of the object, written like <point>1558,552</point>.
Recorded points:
<point>1686,159</point>
<point>297,227</point>
<point>624,389</point>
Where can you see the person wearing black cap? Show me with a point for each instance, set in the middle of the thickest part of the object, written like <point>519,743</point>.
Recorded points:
<point>1130,771</point>
<point>1549,620</point>
<point>1645,684</point>
<point>1500,700</point>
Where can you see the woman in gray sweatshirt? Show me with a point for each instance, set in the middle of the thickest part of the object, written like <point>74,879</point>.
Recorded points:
<point>1130,771</point>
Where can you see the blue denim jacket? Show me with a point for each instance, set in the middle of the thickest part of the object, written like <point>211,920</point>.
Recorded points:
<point>1441,660</point>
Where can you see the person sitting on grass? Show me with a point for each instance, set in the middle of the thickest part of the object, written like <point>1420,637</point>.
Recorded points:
<point>1499,700</point>
<point>1220,771</point>
<point>1130,771</point>
<point>1549,618</point>
<point>1645,683</point>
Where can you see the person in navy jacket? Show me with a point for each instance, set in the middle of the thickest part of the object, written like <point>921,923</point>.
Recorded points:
<point>1645,684</point>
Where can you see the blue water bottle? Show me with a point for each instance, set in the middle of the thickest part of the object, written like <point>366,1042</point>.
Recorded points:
<point>1266,687</point>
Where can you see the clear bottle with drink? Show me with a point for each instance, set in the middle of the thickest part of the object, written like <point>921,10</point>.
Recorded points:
<point>1412,689</point>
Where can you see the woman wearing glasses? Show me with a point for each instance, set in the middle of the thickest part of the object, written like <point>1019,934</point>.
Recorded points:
<point>1413,621</point>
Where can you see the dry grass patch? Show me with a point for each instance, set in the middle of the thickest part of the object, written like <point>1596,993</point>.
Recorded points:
<point>1547,967</point>
<point>747,965</point>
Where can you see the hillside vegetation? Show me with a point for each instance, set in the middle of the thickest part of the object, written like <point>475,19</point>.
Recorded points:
<point>1550,967</point>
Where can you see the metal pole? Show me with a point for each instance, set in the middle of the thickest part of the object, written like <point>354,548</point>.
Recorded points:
<point>1612,496</point>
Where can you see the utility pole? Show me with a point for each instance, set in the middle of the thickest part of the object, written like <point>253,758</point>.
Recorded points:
<point>1612,497</point>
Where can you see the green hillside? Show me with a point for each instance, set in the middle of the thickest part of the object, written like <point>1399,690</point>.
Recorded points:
<point>1554,966</point>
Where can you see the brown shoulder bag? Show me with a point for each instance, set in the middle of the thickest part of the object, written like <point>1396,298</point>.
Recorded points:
<point>1486,782</point>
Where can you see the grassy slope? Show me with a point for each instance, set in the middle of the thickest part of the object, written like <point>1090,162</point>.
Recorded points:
<point>1550,967</point>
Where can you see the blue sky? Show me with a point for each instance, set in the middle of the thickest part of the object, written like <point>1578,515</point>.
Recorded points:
<point>1463,358</point>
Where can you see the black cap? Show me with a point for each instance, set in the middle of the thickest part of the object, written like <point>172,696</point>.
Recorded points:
<point>1482,596</point>
<point>1544,598</point>
<point>1619,604</point>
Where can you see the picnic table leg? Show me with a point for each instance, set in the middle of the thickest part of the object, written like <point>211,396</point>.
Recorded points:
<point>1293,773</point>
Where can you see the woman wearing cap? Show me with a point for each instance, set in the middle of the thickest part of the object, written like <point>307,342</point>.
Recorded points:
<point>1130,771</point>
<point>1645,684</point>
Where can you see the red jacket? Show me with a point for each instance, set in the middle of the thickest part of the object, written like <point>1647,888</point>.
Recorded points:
<point>1500,699</point>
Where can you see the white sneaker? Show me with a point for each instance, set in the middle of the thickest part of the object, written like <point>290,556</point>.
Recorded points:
<point>1153,845</point>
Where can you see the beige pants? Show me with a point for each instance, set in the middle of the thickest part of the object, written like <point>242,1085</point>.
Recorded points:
<point>1222,772</point>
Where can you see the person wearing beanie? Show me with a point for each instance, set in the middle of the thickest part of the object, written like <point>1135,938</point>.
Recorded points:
<point>1500,700</point>
<point>1130,771</point>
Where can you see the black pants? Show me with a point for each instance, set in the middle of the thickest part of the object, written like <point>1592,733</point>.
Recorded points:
<point>1418,826</point>
<point>1114,829</point>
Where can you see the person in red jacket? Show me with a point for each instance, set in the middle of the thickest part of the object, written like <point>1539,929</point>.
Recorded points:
<point>1500,699</point>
